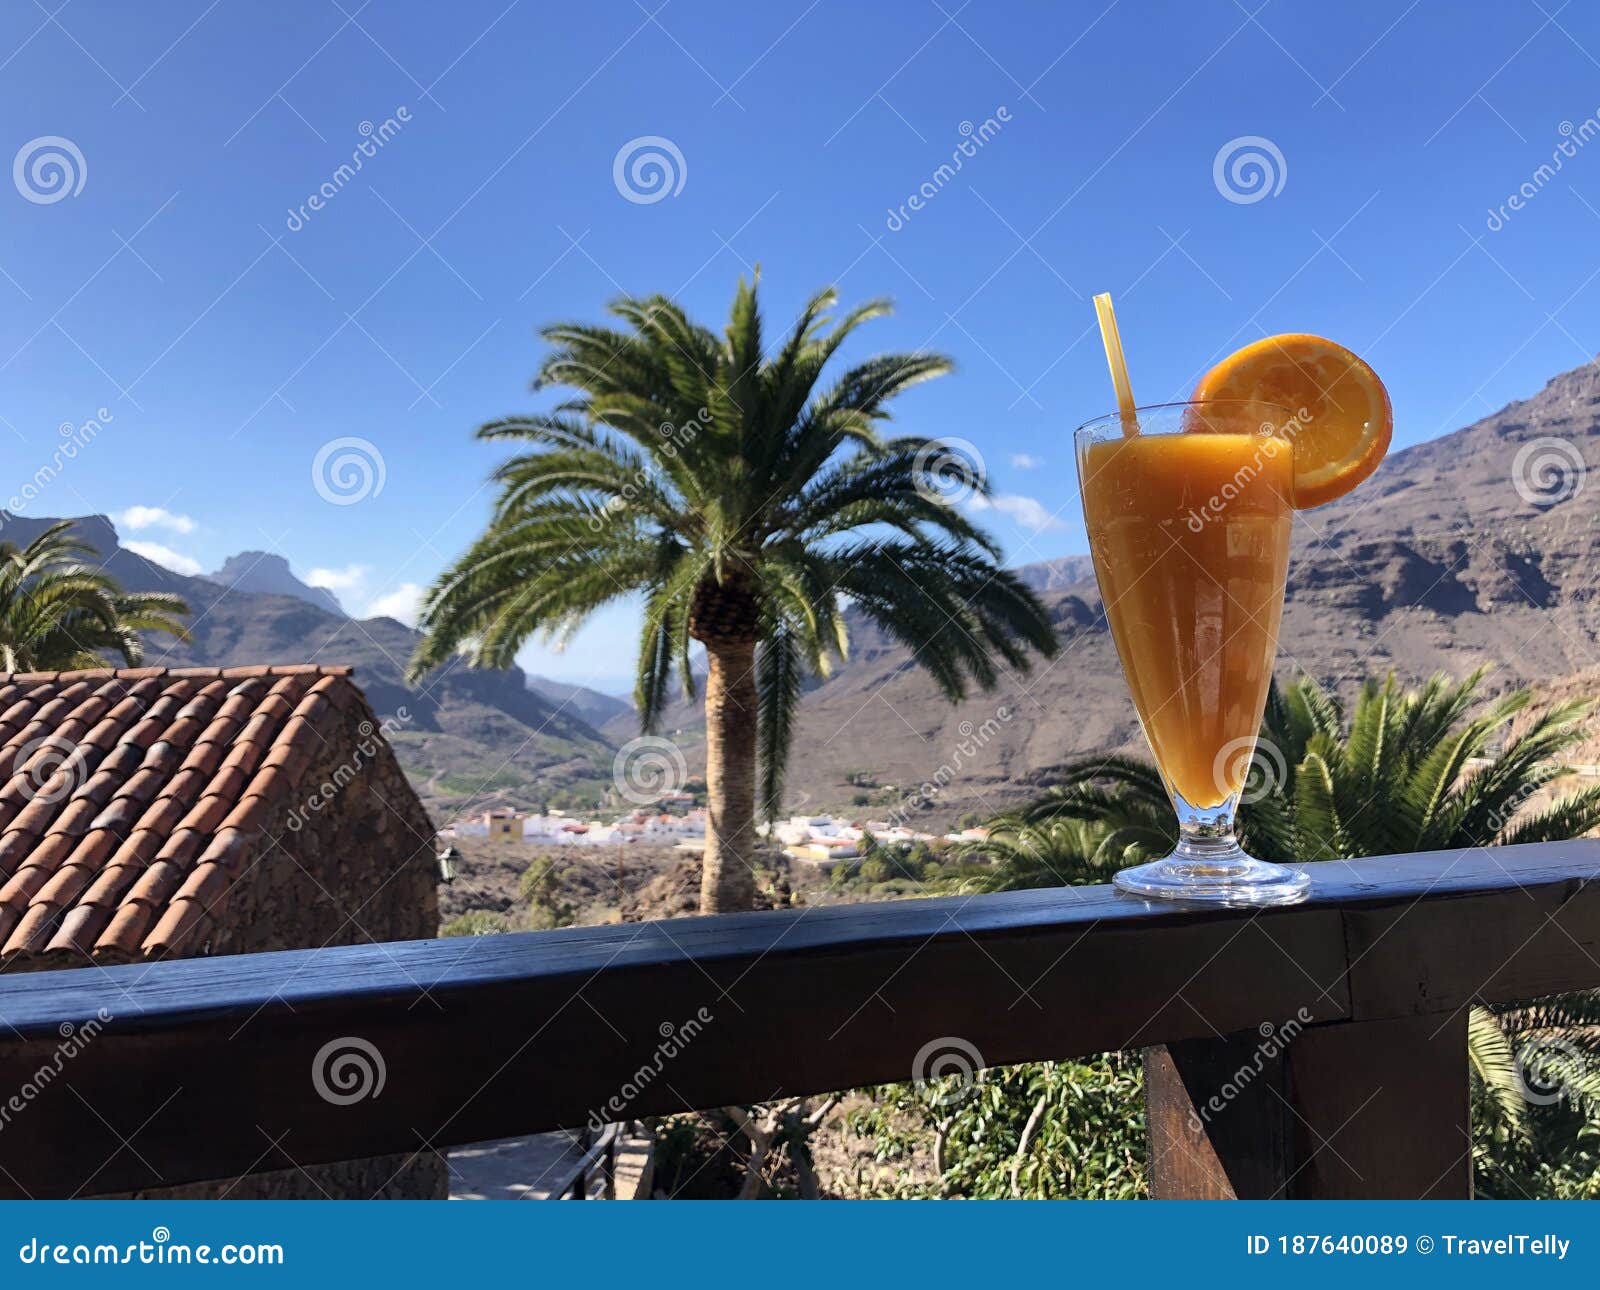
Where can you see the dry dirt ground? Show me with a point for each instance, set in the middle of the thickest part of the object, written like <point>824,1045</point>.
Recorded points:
<point>595,881</point>
<point>606,884</point>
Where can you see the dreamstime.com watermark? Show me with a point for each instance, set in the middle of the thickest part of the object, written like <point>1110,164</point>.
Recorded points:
<point>348,1070</point>
<point>674,1039</point>
<point>649,168</point>
<point>49,168</point>
<point>674,439</point>
<point>1274,440</point>
<point>1573,138</point>
<point>973,138</point>
<point>648,768</point>
<point>348,470</point>
<point>1248,169</point>
<point>74,1039</point>
<point>1548,471</point>
<point>373,138</point>
<point>50,768</point>
<point>974,739</point>
<point>160,1250</point>
<point>948,470</point>
<point>368,746</point>
<point>1252,766</point>
<point>1547,1067</point>
<point>74,439</point>
<point>947,1057</point>
<point>1274,1039</point>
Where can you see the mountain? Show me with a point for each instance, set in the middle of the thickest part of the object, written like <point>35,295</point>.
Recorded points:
<point>129,568</point>
<point>270,575</point>
<point>590,705</point>
<point>1062,573</point>
<point>466,737</point>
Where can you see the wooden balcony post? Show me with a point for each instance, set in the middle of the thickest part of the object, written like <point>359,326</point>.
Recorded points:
<point>1352,1110</point>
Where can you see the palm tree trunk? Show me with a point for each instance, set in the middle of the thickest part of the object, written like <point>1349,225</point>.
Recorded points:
<point>727,878</point>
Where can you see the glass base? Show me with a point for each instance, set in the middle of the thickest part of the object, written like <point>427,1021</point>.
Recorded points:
<point>1217,872</point>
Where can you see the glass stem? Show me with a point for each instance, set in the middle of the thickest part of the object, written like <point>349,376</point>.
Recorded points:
<point>1205,834</point>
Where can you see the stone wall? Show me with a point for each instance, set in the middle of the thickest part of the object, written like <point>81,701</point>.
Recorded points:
<point>355,859</point>
<point>358,866</point>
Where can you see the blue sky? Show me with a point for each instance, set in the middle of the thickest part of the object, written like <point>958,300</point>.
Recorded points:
<point>181,283</point>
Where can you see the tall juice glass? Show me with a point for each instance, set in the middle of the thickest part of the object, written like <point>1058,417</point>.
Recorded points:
<point>1189,520</point>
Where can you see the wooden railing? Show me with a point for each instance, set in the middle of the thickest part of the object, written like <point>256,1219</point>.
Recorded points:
<point>1317,1050</point>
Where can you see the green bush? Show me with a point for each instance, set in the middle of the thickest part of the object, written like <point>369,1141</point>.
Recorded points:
<point>476,922</point>
<point>541,888</point>
<point>1044,1130</point>
<point>874,869</point>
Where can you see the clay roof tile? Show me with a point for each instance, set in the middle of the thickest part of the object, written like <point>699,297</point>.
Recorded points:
<point>205,756</point>
<point>32,932</point>
<point>123,760</point>
<point>157,883</point>
<point>137,849</point>
<point>209,812</point>
<point>293,755</point>
<point>208,884</point>
<point>79,929</point>
<point>162,815</point>
<point>98,788</point>
<point>231,848</point>
<point>15,847</point>
<point>183,846</point>
<point>121,814</point>
<point>181,923</point>
<point>20,889</point>
<point>249,816</point>
<point>65,886</point>
<point>126,929</point>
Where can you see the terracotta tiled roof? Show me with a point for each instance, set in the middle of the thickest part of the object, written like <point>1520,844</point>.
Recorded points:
<point>131,798</point>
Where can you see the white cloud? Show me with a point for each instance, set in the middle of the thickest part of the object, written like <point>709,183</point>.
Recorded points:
<point>1025,461</point>
<point>1026,511</point>
<point>153,517</point>
<point>166,557</point>
<point>404,603</point>
<point>346,579</point>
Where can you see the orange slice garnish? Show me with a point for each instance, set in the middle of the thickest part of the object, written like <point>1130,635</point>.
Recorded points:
<point>1342,419</point>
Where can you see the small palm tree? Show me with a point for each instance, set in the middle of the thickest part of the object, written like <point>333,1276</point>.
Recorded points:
<point>1406,770</point>
<point>58,611</point>
<point>1411,771</point>
<point>748,504</point>
<point>1055,852</point>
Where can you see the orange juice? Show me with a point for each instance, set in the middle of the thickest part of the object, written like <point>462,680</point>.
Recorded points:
<point>1190,538</point>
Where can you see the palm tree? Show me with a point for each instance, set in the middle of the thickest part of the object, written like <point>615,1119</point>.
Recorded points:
<point>747,504</point>
<point>58,612</point>
<point>1407,770</point>
<point>1056,852</point>
<point>1410,771</point>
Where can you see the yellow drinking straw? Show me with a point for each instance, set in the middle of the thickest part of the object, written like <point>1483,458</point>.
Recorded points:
<point>1119,365</point>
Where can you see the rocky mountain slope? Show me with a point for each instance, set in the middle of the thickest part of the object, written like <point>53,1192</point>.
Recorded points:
<point>595,708</point>
<point>268,574</point>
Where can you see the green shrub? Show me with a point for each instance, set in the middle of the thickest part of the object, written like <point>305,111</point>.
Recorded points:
<point>1044,1130</point>
<point>476,922</point>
